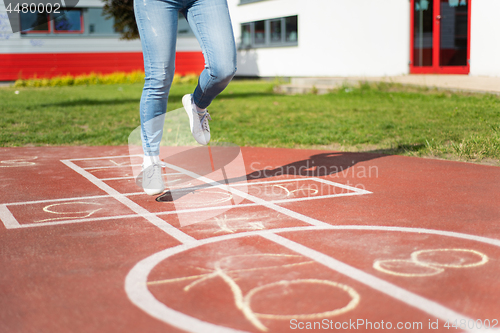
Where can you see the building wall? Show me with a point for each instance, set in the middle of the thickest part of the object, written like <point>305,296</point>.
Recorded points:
<point>336,38</point>
<point>31,43</point>
<point>485,38</point>
<point>26,56</point>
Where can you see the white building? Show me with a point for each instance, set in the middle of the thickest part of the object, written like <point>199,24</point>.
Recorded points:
<point>290,38</point>
<point>367,37</point>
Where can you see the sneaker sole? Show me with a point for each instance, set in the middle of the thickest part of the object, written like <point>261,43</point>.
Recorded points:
<point>153,192</point>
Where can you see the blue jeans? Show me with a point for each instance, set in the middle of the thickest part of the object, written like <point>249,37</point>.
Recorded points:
<point>157,23</point>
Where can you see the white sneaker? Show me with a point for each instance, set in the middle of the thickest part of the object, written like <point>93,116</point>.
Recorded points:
<point>152,180</point>
<point>198,122</point>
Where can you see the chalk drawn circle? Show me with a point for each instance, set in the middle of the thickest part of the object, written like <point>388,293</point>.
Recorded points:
<point>416,256</point>
<point>349,290</point>
<point>136,280</point>
<point>48,208</point>
<point>385,267</point>
<point>17,162</point>
<point>203,198</point>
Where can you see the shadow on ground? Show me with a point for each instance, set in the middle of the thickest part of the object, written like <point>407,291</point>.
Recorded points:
<point>90,102</point>
<point>318,165</point>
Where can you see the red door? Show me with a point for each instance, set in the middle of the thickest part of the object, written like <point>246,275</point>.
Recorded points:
<point>440,37</point>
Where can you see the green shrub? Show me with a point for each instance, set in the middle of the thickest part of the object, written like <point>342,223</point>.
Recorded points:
<point>94,78</point>
<point>189,79</point>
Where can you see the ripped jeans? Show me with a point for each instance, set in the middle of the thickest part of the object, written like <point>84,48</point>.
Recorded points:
<point>157,23</point>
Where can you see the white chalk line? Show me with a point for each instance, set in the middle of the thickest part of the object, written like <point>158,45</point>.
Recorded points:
<point>355,191</point>
<point>432,308</point>
<point>353,303</point>
<point>112,166</point>
<point>17,225</point>
<point>259,201</point>
<point>183,211</point>
<point>139,294</point>
<point>435,267</point>
<point>243,302</point>
<point>302,248</point>
<point>18,162</point>
<point>250,183</point>
<point>137,290</point>
<point>278,201</point>
<point>429,269</point>
<point>210,272</point>
<point>271,232</point>
<point>104,196</point>
<point>220,185</point>
<point>141,211</point>
<point>372,281</point>
<point>319,180</point>
<point>78,220</point>
<point>116,217</point>
<point>102,158</point>
<point>88,213</point>
<point>172,212</point>
<point>274,181</point>
<point>132,177</point>
<point>484,258</point>
<point>112,193</point>
<point>7,218</point>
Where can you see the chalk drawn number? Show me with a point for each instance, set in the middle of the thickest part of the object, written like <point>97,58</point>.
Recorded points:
<point>428,262</point>
<point>243,302</point>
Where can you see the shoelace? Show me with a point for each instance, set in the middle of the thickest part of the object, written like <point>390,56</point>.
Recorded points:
<point>204,121</point>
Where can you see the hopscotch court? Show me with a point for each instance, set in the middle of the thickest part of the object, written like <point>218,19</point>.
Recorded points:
<point>262,255</point>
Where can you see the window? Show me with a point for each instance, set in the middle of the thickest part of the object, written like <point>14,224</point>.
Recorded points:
<point>246,34</point>
<point>79,23</point>
<point>259,33</point>
<point>70,21</point>
<point>96,24</point>
<point>66,21</point>
<point>34,22</point>
<point>275,31</point>
<point>270,33</point>
<point>291,29</point>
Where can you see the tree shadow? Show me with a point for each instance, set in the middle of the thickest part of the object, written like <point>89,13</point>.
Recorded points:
<point>227,95</point>
<point>173,98</point>
<point>94,102</point>
<point>318,165</point>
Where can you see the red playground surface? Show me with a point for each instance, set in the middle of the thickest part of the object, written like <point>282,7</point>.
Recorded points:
<point>295,240</point>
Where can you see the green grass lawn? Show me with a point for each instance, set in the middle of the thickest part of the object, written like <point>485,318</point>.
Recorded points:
<point>384,118</point>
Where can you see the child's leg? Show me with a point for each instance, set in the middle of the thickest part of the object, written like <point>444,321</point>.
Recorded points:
<point>157,23</point>
<point>211,24</point>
